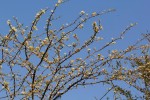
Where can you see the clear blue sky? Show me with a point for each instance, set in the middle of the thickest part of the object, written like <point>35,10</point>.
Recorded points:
<point>127,11</point>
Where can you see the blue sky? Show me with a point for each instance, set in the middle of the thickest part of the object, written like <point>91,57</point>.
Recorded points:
<point>127,11</point>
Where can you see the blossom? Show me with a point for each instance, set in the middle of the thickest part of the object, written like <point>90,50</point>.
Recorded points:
<point>37,48</point>
<point>8,22</point>
<point>104,70</point>
<point>94,14</point>
<point>60,1</point>
<point>113,42</point>
<point>114,51</point>
<point>74,44</point>
<point>52,11</point>
<point>12,64</point>
<point>14,29</point>
<point>94,24</point>
<point>26,43</point>
<point>23,92</point>
<point>72,61</point>
<point>22,31</point>
<point>43,11</point>
<point>96,29</point>
<point>77,50</point>
<point>101,27</point>
<point>51,31</point>
<point>5,84</point>
<point>72,69</point>
<point>82,12</point>
<point>44,42</point>
<point>99,55</point>
<point>6,37</point>
<point>88,49</point>
<point>6,50</point>
<point>35,28</point>
<point>75,36</point>
<point>31,48</point>
<point>81,26</point>
<point>99,38</point>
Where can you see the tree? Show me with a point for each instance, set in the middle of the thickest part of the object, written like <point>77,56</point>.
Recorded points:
<point>50,65</point>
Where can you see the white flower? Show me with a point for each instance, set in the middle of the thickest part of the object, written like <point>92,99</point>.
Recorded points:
<point>43,11</point>
<point>89,49</point>
<point>35,28</point>
<point>101,27</point>
<point>23,92</point>
<point>60,1</point>
<point>113,42</point>
<point>72,69</point>
<point>51,31</point>
<point>94,24</point>
<point>131,24</point>
<point>99,38</point>
<point>8,22</point>
<point>81,26</point>
<point>12,64</point>
<point>14,29</point>
<point>37,48</point>
<point>31,48</point>
<point>82,12</point>
<point>6,50</point>
<point>94,14</point>
<point>52,11</point>
<point>44,42</point>
<point>72,61</point>
<point>99,55</point>
<point>6,37</point>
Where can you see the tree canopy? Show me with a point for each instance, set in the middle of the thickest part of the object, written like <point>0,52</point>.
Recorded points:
<point>46,65</point>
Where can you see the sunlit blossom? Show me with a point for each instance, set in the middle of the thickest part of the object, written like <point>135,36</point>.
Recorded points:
<point>81,26</point>
<point>94,14</point>
<point>14,29</point>
<point>82,12</point>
